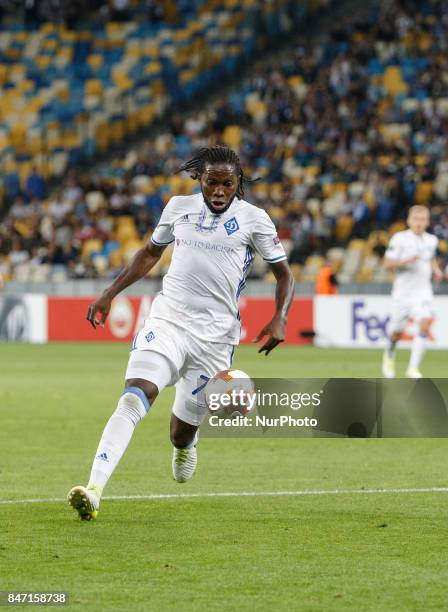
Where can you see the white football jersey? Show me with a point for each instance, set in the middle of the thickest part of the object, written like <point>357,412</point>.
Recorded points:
<point>211,259</point>
<point>413,281</point>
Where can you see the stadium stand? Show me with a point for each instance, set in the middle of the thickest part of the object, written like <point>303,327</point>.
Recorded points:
<point>346,131</point>
<point>68,95</point>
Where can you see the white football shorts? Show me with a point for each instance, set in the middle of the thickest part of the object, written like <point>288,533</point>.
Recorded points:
<point>405,309</point>
<point>165,354</point>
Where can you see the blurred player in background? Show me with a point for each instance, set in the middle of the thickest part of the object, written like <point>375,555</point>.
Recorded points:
<point>412,255</point>
<point>194,323</point>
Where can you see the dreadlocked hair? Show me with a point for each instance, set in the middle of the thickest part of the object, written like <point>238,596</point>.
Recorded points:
<point>216,155</point>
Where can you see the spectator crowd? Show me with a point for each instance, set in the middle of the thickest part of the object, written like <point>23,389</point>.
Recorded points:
<point>346,132</point>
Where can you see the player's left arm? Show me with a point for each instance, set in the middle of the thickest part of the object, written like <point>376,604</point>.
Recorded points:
<point>436,270</point>
<point>284,293</point>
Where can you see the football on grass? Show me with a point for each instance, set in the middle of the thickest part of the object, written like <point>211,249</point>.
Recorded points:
<point>230,393</point>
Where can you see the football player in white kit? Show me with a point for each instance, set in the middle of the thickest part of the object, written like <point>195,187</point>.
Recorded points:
<point>412,255</point>
<point>194,321</point>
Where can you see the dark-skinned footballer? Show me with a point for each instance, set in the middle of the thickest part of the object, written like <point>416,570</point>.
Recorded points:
<point>194,322</point>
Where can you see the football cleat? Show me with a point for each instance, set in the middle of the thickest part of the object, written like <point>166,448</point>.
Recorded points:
<point>413,373</point>
<point>84,501</point>
<point>388,365</point>
<point>184,463</point>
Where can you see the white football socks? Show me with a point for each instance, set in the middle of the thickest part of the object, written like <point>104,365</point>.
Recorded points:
<point>132,407</point>
<point>417,351</point>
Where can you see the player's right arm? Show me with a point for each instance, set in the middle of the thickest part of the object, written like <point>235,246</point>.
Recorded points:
<point>393,259</point>
<point>143,261</point>
<point>392,264</point>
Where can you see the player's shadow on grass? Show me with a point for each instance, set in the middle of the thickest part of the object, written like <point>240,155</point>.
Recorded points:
<point>401,408</point>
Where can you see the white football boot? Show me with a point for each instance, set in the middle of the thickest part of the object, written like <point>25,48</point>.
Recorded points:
<point>413,373</point>
<point>388,365</point>
<point>184,463</point>
<point>85,501</point>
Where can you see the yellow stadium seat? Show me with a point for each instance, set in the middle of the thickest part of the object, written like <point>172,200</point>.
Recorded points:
<point>125,234</point>
<point>50,44</point>
<point>424,41</point>
<point>384,160</point>
<point>67,36</point>
<point>365,275</point>
<point>85,36</point>
<point>93,87</point>
<point>4,140</point>
<point>258,109</point>
<point>157,88</point>
<point>131,247</point>
<point>369,197</point>
<point>48,27</point>
<point>344,227</point>
<point>102,136</point>
<point>277,213</point>
<point>153,68</point>
<point>125,221</point>
<point>91,246</point>
<point>117,131</point>
<point>175,182</point>
<point>393,81</point>
<point>26,85</point>
<point>146,114</point>
<point>357,244</point>
<point>95,61</point>
<point>17,72</point>
<point>66,53</point>
<point>21,37</point>
<point>35,143</point>
<point>3,73</point>
<point>394,228</point>
<point>133,51</point>
<point>443,246</point>
<point>18,135</point>
<point>116,258</point>
<point>187,75</point>
<point>43,61</point>
<point>311,172</point>
<point>132,123</point>
<point>269,277</point>
<point>398,226</point>
<point>420,160</point>
<point>295,81</point>
<point>314,261</point>
<point>423,193</point>
<point>71,139</point>
<point>232,136</point>
<point>329,189</point>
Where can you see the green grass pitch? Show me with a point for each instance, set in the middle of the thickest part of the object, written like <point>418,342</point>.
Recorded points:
<point>349,551</point>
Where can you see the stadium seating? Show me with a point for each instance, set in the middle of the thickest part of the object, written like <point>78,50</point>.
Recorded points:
<point>67,95</point>
<point>344,135</point>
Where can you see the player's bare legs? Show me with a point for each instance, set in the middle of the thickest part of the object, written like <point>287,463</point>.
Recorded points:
<point>389,355</point>
<point>418,349</point>
<point>184,438</point>
<point>182,434</point>
<point>132,406</point>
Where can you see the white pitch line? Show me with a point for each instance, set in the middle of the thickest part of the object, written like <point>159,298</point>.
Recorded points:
<point>238,494</point>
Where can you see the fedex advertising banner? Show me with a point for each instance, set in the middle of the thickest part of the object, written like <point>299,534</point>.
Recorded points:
<point>362,321</point>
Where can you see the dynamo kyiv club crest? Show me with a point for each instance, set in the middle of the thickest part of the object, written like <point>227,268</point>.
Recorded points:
<point>231,226</point>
